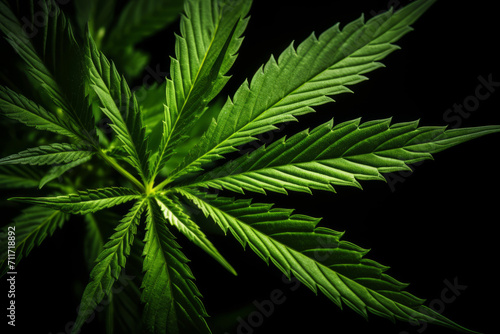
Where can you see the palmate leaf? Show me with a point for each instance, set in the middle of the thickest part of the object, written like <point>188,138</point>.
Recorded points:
<point>206,50</point>
<point>172,300</point>
<point>174,213</point>
<point>317,258</point>
<point>339,155</point>
<point>48,155</point>
<point>32,227</point>
<point>120,105</point>
<point>49,64</point>
<point>84,202</point>
<point>302,78</point>
<point>62,69</point>
<point>109,264</point>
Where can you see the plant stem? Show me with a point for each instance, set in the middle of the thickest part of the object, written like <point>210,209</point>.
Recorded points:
<point>149,189</point>
<point>161,185</point>
<point>112,162</point>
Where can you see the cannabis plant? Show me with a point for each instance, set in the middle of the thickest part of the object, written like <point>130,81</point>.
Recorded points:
<point>141,167</point>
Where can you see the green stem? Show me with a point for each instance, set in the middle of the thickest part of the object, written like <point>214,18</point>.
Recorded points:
<point>161,185</point>
<point>112,162</point>
<point>149,188</point>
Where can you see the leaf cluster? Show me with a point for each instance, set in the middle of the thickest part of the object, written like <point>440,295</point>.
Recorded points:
<point>169,154</point>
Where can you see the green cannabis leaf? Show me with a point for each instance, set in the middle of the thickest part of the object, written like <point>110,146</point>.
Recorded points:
<point>161,164</point>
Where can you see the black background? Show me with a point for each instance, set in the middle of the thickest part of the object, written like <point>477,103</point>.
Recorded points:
<point>436,224</point>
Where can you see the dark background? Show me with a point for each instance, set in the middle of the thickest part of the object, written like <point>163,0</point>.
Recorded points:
<point>436,224</point>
